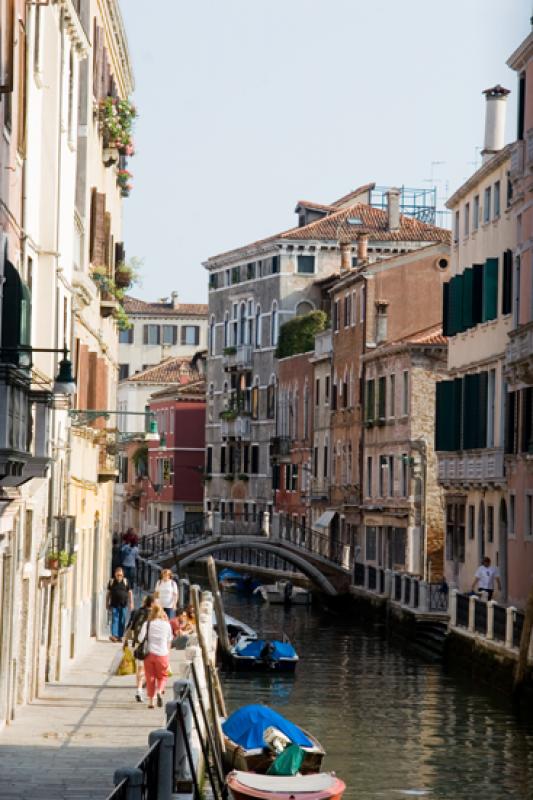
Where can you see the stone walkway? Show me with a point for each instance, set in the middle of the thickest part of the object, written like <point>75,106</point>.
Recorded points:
<point>67,744</point>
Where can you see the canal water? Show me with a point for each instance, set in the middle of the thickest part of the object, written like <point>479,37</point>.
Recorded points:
<point>392,724</point>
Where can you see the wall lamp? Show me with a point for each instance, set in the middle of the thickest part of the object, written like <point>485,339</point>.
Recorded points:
<point>64,383</point>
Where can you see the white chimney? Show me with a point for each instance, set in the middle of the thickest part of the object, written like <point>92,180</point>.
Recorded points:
<point>393,209</point>
<point>174,299</point>
<point>495,108</point>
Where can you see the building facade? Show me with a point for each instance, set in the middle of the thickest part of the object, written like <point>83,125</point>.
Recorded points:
<point>471,402</point>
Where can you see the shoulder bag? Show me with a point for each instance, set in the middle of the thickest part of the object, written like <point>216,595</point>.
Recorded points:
<point>141,651</point>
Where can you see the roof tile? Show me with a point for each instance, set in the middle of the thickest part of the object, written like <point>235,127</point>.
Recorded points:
<point>132,305</point>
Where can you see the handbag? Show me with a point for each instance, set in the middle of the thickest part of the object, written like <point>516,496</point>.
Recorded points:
<point>141,651</point>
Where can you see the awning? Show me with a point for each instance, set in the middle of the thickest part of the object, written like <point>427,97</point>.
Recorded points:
<point>325,519</point>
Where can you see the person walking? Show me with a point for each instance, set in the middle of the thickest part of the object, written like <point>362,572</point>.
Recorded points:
<point>119,599</point>
<point>166,592</point>
<point>128,557</point>
<point>137,619</point>
<point>485,578</point>
<point>158,634</point>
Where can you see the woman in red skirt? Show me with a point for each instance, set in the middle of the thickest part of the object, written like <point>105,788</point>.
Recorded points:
<point>158,634</point>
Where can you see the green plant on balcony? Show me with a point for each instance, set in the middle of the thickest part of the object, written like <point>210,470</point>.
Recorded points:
<point>110,290</point>
<point>298,334</point>
<point>140,461</point>
<point>124,178</point>
<point>229,414</point>
<point>243,476</point>
<point>229,476</point>
<point>229,351</point>
<point>116,120</point>
<point>59,559</point>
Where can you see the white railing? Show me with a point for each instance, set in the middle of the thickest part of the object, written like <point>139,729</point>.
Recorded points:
<point>323,344</point>
<point>487,619</point>
<point>474,467</point>
<point>240,359</point>
<point>238,428</point>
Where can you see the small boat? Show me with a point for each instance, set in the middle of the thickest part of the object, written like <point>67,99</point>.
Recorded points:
<point>284,593</point>
<point>250,729</point>
<point>253,653</point>
<point>232,581</point>
<point>235,627</point>
<point>321,786</point>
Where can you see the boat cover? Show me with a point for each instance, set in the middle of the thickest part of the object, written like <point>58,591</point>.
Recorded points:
<point>229,574</point>
<point>280,649</point>
<point>247,725</point>
<point>293,783</point>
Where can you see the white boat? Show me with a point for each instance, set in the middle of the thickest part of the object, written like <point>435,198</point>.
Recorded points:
<point>285,593</point>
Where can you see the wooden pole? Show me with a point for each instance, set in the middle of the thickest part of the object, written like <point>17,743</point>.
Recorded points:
<point>219,606</point>
<point>521,666</point>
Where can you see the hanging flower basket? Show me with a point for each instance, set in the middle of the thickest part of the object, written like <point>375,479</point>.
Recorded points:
<point>116,118</point>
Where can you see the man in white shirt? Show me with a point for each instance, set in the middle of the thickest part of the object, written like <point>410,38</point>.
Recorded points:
<point>485,578</point>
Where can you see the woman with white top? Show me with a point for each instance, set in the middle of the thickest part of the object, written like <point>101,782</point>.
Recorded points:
<point>166,592</point>
<point>158,634</point>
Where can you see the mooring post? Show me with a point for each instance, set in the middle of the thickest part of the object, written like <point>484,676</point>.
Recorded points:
<point>165,768</point>
<point>134,777</point>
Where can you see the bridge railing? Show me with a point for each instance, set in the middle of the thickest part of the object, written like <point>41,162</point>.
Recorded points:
<point>156,544</point>
<point>487,618</point>
<point>401,587</point>
<point>315,542</point>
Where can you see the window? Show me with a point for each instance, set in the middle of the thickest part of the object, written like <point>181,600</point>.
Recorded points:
<point>226,329</point>
<point>288,475</point>
<point>235,275</point>
<point>294,478</point>
<point>317,391</point>
<point>455,531</point>
<point>345,392</point>
<point>271,401</point>
<point>255,459</point>
<point>391,476</point>
<point>512,514</point>
<point>392,395</point>
<point>381,322</point>
<point>336,315</point>
<point>275,265</point>
<point>326,391</point>
<point>370,543</point>
<point>370,409</point>
<point>245,458</point>
<point>475,214</point>
<point>274,325</point>
<point>223,459</point>
<point>151,334</point>
<point>486,204</point>
<point>381,475</point>
<point>258,326</point>
<point>382,397</point>
<point>170,334</point>
<point>405,394</point>
<point>405,475</point>
<point>456,227</point>
<point>369,476</point>
<point>471,522</point>
<point>466,220</point>
<point>326,460</point>
<point>190,334</point>
<point>354,307</point>
<point>306,265</point>
<point>209,461</point>
<point>507,288</point>
<point>529,516</point>
<point>490,523</point>
<point>123,371</point>
<point>125,336</point>
<point>250,271</point>
<point>212,337</point>
<point>315,462</point>
<point>213,280</point>
<point>347,311</point>
<point>497,201</point>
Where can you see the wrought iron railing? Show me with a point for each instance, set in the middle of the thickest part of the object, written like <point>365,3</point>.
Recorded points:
<point>480,616</point>
<point>438,596</point>
<point>167,540</point>
<point>316,542</point>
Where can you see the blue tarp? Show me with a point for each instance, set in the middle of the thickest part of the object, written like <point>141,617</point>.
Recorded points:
<point>280,649</point>
<point>247,725</point>
<point>229,573</point>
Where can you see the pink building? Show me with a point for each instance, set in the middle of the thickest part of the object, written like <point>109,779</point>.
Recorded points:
<point>519,353</point>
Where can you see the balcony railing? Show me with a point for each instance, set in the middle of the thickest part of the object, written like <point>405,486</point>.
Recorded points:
<point>519,353</point>
<point>238,428</point>
<point>517,160</point>
<point>484,466</point>
<point>239,357</point>
<point>323,344</point>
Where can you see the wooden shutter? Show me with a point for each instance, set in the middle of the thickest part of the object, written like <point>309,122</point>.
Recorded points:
<point>120,253</point>
<point>490,289</point>
<point>447,418</point>
<point>507,288</point>
<point>98,229</point>
<point>196,335</point>
<point>511,420</point>
<point>477,293</point>
<point>467,310</point>
<point>445,309</point>
<point>456,305</point>
<point>108,239</point>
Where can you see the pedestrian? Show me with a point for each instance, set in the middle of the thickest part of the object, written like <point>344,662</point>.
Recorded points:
<point>158,635</point>
<point>119,599</point>
<point>128,558</point>
<point>485,578</point>
<point>166,592</point>
<point>137,619</point>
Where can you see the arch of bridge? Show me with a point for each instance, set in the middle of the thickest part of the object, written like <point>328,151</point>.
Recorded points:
<point>260,543</point>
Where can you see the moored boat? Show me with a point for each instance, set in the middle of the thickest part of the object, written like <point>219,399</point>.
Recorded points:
<point>262,655</point>
<point>249,729</point>
<point>320,786</point>
<point>284,593</point>
<point>232,581</point>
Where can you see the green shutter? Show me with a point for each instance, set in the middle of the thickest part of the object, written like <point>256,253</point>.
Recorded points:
<point>445,308</point>
<point>477,293</point>
<point>456,305</point>
<point>445,417</point>
<point>16,315</point>
<point>468,284</point>
<point>490,289</point>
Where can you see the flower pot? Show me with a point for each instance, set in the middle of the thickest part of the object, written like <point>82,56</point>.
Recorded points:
<point>53,563</point>
<point>123,279</point>
<point>109,156</point>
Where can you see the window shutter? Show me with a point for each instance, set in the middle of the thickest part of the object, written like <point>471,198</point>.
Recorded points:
<point>145,334</point>
<point>511,420</point>
<point>507,293</point>
<point>447,420</point>
<point>470,412</point>
<point>196,335</point>
<point>445,308</point>
<point>490,289</point>
<point>468,284</point>
<point>98,229</point>
<point>108,239</point>
<point>482,409</point>
<point>174,334</point>
<point>477,293</point>
<point>457,413</point>
<point>120,253</point>
<point>456,305</point>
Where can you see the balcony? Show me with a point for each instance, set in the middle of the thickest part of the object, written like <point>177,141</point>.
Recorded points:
<point>472,468</point>
<point>320,490</point>
<point>238,428</point>
<point>323,344</point>
<point>239,357</point>
<point>107,465</point>
<point>519,355</point>
<point>280,446</point>
<point>517,160</point>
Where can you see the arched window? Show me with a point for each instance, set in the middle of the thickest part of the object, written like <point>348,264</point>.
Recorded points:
<point>274,324</point>
<point>304,307</point>
<point>258,326</point>
<point>226,329</point>
<point>212,337</point>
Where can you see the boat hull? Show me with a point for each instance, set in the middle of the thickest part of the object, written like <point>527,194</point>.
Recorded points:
<point>323,786</point>
<point>244,664</point>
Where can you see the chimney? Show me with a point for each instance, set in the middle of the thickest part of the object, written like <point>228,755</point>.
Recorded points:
<point>496,100</point>
<point>362,250</point>
<point>346,255</point>
<point>174,299</point>
<point>393,209</point>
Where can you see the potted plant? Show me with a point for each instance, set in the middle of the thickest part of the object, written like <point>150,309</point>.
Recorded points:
<point>243,476</point>
<point>229,414</point>
<point>123,276</point>
<point>52,560</point>
<point>124,177</point>
<point>116,117</point>
<point>229,351</point>
<point>229,476</point>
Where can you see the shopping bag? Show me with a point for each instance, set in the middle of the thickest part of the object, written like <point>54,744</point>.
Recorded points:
<point>127,663</point>
<point>115,663</point>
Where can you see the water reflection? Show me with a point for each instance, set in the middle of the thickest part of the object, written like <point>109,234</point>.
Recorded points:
<point>393,726</point>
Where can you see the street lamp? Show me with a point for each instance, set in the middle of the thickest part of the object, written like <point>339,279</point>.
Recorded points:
<point>64,383</point>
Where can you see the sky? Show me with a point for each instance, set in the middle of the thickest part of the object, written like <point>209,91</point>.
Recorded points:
<point>247,106</point>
